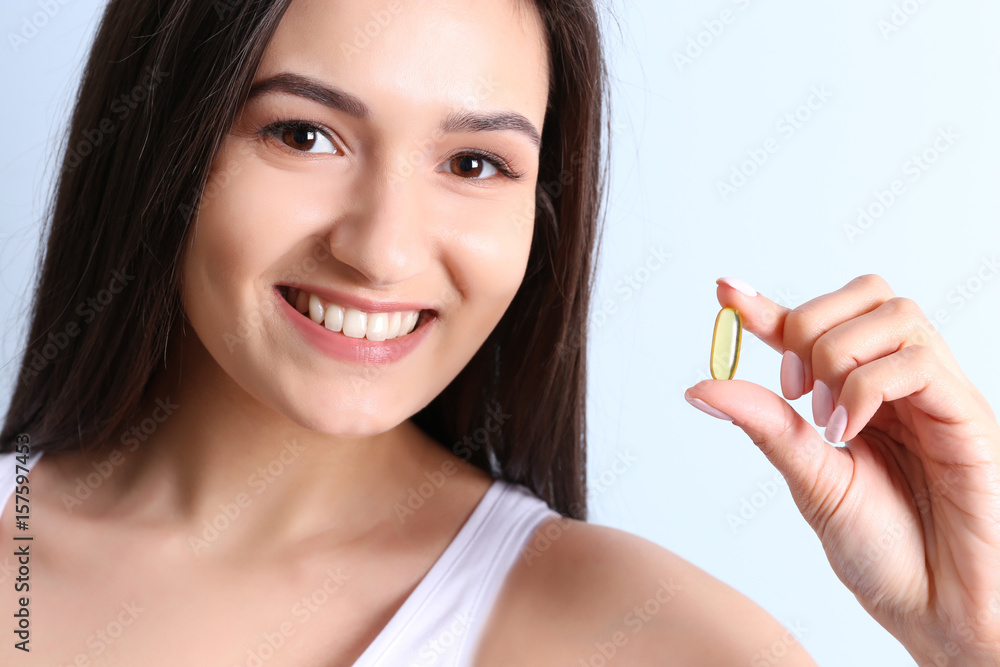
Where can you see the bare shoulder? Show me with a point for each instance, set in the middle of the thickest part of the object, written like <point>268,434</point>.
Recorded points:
<point>582,594</point>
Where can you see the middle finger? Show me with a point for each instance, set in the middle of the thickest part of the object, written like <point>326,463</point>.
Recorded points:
<point>804,325</point>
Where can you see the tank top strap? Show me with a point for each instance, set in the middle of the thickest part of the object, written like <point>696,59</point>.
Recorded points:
<point>441,622</point>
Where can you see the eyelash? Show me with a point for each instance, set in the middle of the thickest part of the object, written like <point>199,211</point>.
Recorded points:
<point>274,128</point>
<point>501,165</point>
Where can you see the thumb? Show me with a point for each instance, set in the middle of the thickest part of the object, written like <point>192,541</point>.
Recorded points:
<point>816,472</point>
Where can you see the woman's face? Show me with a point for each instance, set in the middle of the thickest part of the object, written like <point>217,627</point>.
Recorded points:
<point>403,180</point>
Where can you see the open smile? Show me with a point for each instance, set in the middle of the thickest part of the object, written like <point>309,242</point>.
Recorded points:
<point>354,335</point>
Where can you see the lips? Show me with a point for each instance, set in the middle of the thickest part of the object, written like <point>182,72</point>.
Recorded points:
<point>377,325</point>
<point>362,351</point>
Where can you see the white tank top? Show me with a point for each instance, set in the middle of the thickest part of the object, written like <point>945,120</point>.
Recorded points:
<point>440,623</point>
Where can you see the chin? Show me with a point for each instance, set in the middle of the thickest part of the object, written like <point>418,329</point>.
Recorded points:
<point>343,418</point>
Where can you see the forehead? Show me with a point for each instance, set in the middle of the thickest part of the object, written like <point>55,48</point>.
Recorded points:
<point>433,55</point>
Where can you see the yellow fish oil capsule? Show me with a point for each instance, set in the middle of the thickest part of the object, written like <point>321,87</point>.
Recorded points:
<point>726,343</point>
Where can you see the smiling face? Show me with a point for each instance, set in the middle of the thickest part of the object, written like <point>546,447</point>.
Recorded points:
<point>385,162</point>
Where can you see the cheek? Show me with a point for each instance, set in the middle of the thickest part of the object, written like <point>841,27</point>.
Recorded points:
<point>490,255</point>
<point>251,215</point>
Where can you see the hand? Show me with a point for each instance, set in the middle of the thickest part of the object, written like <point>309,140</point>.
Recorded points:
<point>909,510</point>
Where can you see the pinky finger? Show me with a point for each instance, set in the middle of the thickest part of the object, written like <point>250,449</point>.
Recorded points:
<point>913,373</point>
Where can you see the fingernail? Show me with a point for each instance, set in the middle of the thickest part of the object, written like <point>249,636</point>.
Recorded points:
<point>822,403</point>
<point>738,285</point>
<point>793,375</point>
<point>838,424</point>
<point>708,409</point>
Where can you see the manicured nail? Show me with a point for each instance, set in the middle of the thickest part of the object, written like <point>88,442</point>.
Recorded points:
<point>708,409</point>
<point>738,285</point>
<point>838,424</point>
<point>822,403</point>
<point>793,375</point>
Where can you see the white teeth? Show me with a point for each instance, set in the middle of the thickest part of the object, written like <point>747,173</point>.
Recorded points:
<point>334,319</point>
<point>352,322</point>
<point>394,321</point>
<point>378,326</point>
<point>411,321</point>
<point>315,309</point>
<point>355,323</point>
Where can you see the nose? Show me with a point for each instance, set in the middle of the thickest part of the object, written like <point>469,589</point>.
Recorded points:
<point>383,231</point>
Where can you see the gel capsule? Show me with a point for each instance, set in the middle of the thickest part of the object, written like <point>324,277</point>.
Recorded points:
<point>726,343</point>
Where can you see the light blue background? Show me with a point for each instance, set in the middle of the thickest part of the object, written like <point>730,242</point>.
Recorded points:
<point>680,129</point>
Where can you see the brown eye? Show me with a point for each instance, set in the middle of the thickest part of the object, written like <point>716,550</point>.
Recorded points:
<point>472,167</point>
<point>301,136</point>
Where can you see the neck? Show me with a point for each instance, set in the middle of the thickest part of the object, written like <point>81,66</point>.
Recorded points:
<point>204,454</point>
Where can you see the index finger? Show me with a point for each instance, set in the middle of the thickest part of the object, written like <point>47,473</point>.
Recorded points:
<point>762,317</point>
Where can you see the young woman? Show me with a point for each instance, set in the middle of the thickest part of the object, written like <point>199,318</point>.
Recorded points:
<point>306,369</point>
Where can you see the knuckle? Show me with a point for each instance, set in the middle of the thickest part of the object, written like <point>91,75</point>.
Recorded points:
<point>858,383</point>
<point>826,353</point>
<point>797,328</point>
<point>918,328</point>
<point>873,282</point>
<point>914,359</point>
<point>920,354</point>
<point>904,307</point>
<point>924,363</point>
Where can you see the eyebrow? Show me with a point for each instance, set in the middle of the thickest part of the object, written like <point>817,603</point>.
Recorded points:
<point>339,100</point>
<point>491,121</point>
<point>311,89</point>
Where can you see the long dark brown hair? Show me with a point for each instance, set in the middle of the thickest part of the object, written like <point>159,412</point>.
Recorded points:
<point>162,86</point>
